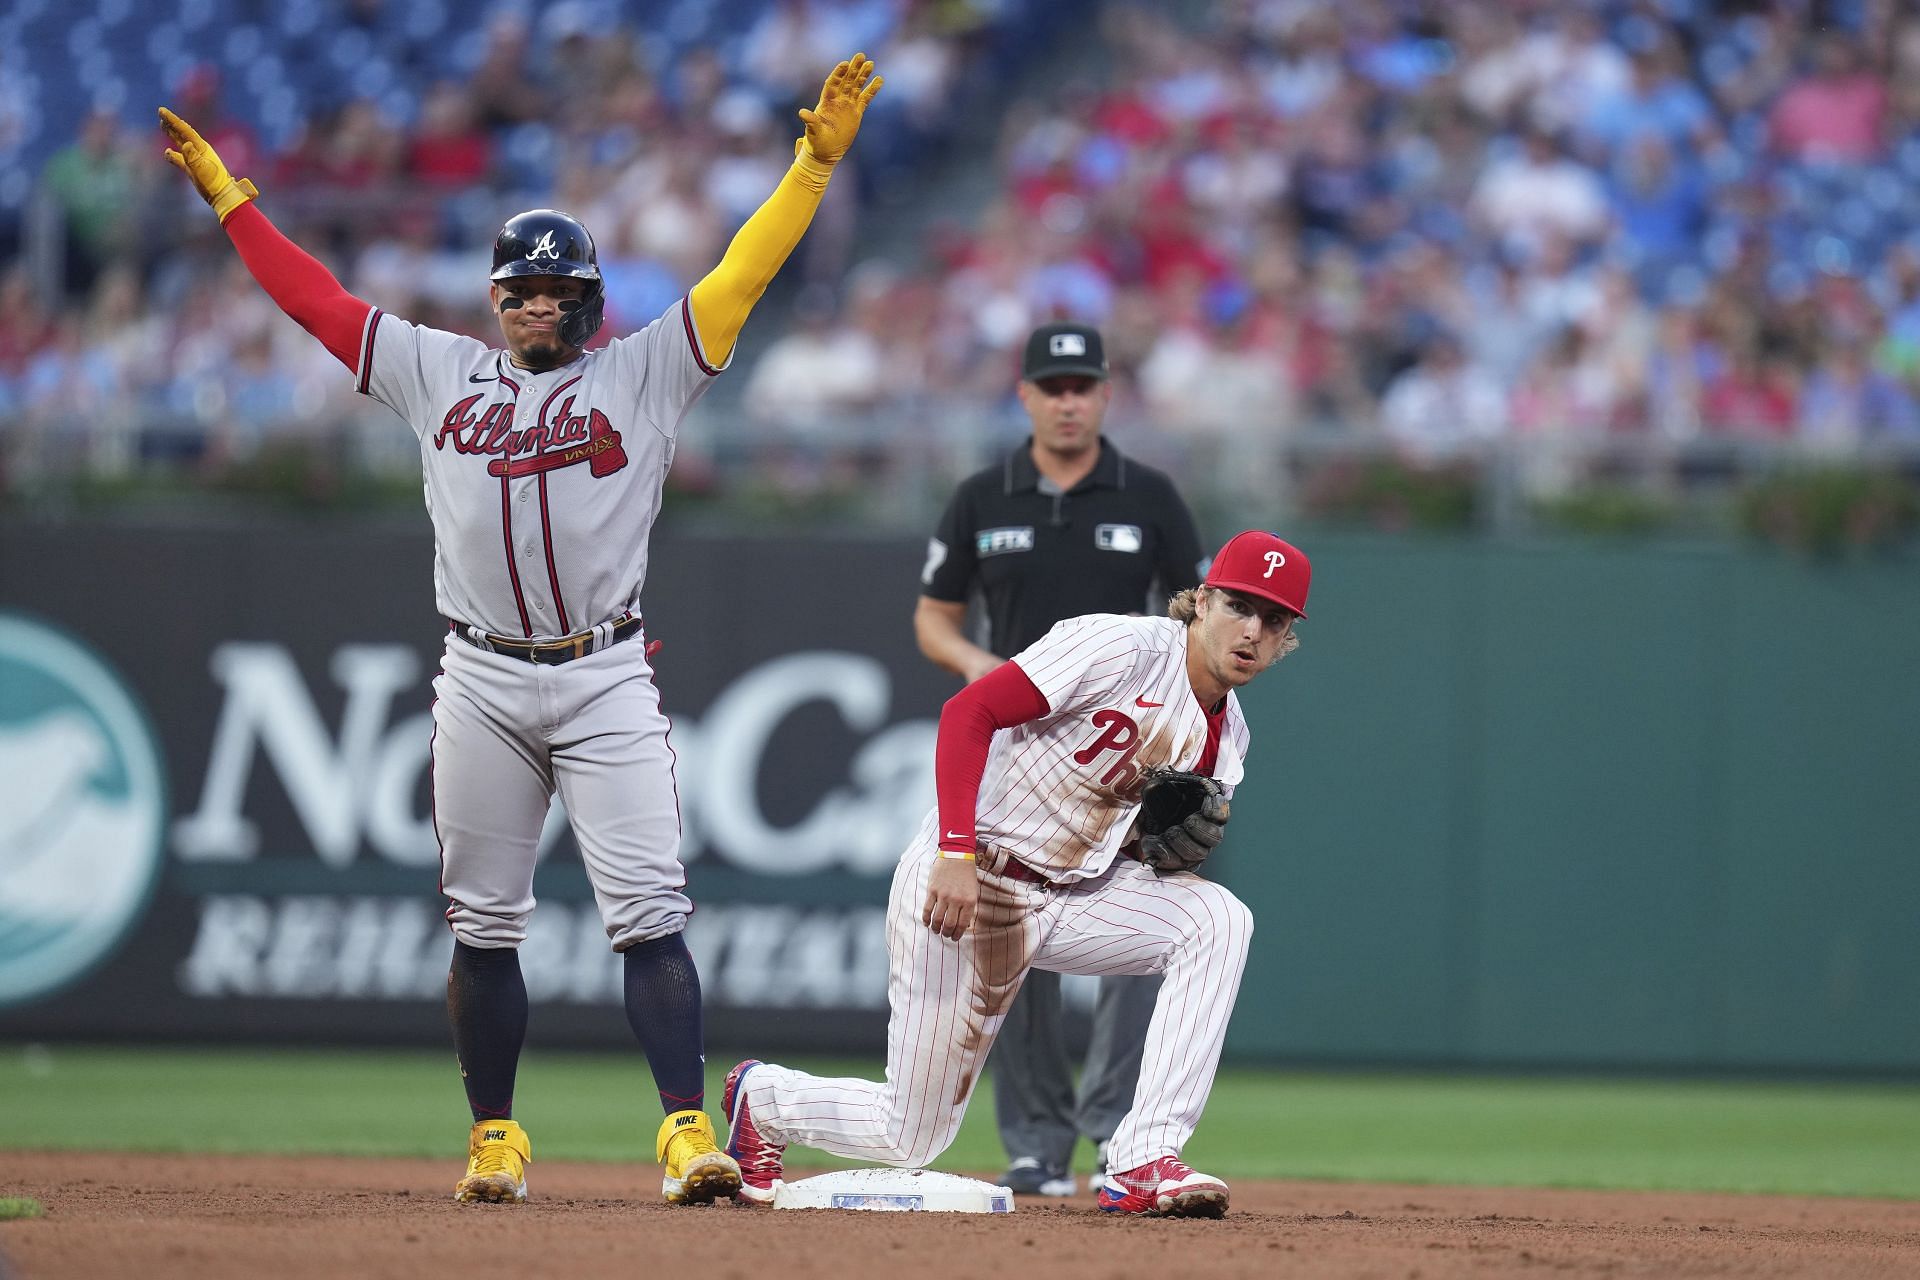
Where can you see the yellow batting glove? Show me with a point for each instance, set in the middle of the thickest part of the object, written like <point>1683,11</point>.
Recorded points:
<point>832,125</point>
<point>191,154</point>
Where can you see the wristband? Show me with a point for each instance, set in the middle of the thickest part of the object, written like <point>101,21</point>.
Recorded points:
<point>230,197</point>
<point>812,171</point>
<point>958,855</point>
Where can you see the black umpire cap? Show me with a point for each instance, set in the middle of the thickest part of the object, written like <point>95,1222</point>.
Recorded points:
<point>1064,349</point>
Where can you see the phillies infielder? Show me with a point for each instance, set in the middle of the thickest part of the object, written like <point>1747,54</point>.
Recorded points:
<point>544,464</point>
<point>1039,768</point>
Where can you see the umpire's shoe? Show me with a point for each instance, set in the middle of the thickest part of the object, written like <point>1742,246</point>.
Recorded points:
<point>698,1171</point>
<point>497,1156</point>
<point>1027,1176</point>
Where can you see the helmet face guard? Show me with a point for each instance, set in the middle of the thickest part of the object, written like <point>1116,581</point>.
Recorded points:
<point>547,242</point>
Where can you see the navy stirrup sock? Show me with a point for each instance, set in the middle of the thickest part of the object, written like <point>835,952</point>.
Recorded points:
<point>487,1005</point>
<point>663,1008</point>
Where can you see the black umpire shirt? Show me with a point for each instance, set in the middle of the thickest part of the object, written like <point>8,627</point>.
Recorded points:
<point>1037,555</point>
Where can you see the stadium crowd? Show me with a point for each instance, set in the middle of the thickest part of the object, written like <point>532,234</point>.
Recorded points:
<point>1666,224</point>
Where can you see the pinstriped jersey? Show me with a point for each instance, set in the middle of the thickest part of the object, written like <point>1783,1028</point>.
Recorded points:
<point>542,487</point>
<point>1061,792</point>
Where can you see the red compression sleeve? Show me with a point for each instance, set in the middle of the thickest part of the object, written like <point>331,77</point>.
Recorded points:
<point>998,700</point>
<point>301,287</point>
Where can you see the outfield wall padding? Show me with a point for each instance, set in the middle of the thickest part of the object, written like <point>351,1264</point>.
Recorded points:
<point>1564,805</point>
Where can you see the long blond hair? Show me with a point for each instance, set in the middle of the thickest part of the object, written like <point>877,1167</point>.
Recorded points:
<point>1184,607</point>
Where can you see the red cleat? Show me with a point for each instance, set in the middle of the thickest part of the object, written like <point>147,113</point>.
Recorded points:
<point>1164,1188</point>
<point>759,1158</point>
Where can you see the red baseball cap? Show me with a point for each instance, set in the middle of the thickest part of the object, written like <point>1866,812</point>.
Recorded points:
<point>1260,564</point>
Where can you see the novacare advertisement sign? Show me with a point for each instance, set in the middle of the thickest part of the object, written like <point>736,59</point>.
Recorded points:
<point>85,797</point>
<point>213,744</point>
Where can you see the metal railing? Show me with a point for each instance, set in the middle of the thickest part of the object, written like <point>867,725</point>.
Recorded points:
<point>893,470</point>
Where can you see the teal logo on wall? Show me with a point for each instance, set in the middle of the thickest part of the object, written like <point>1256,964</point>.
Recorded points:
<point>84,810</point>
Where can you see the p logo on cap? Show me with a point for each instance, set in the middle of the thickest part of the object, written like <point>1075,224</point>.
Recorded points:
<point>1261,564</point>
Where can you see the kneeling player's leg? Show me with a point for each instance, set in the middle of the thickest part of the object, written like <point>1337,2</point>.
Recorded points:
<point>1196,933</point>
<point>946,1002</point>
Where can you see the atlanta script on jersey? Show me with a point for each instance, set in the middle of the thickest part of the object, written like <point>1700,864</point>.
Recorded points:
<point>543,487</point>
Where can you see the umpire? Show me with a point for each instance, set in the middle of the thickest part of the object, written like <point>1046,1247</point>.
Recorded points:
<point>1064,525</point>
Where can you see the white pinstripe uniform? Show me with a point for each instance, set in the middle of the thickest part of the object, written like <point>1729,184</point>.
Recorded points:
<point>1059,795</point>
<point>543,488</point>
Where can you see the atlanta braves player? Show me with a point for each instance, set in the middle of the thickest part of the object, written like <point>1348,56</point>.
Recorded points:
<point>1019,867</point>
<point>544,464</point>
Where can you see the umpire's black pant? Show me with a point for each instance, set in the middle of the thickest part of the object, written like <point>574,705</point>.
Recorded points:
<point>1034,1099</point>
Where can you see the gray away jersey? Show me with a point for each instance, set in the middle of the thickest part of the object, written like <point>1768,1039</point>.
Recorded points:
<point>542,487</point>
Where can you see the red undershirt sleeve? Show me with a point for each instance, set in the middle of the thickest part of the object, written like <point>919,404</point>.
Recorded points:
<point>1002,698</point>
<point>299,284</point>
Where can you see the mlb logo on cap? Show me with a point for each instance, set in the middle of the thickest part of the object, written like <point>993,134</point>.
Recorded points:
<point>1062,350</point>
<point>1261,564</point>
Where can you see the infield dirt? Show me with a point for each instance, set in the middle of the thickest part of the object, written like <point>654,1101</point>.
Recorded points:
<point>213,1217</point>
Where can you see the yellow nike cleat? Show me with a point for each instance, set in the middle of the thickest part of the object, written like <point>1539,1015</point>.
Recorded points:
<point>698,1172</point>
<point>497,1156</point>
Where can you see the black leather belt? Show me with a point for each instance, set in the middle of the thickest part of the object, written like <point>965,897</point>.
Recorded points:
<point>549,653</point>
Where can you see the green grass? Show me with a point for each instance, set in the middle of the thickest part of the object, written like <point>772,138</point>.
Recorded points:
<point>14,1207</point>
<point>1693,1135</point>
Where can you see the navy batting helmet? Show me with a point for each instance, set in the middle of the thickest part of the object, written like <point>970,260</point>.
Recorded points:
<point>547,242</point>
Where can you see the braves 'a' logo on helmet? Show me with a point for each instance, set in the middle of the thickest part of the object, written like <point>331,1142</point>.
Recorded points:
<point>547,242</point>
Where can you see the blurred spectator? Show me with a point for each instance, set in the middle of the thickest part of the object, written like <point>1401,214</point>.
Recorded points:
<point>639,286</point>
<point>348,149</point>
<point>1235,178</point>
<point>1569,390</point>
<point>1551,220</point>
<point>92,184</point>
<point>25,321</point>
<point>1539,194</point>
<point>794,40</point>
<point>1332,179</point>
<point>1504,331</point>
<point>1443,406</point>
<point>1682,362</point>
<point>449,149</point>
<point>1307,66</point>
<point>1903,79</point>
<point>1218,378</point>
<point>1564,406</point>
<point>1659,101</point>
<point>1559,289</point>
<point>1659,204</point>
<point>1753,396</point>
<point>824,367</point>
<point>749,161</point>
<point>1835,111</point>
<point>503,88</point>
<point>1846,401</point>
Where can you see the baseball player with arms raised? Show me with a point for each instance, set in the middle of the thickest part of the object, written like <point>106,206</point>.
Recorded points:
<point>1040,854</point>
<point>544,463</point>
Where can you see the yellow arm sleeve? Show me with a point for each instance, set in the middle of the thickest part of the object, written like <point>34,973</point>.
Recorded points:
<point>721,301</point>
